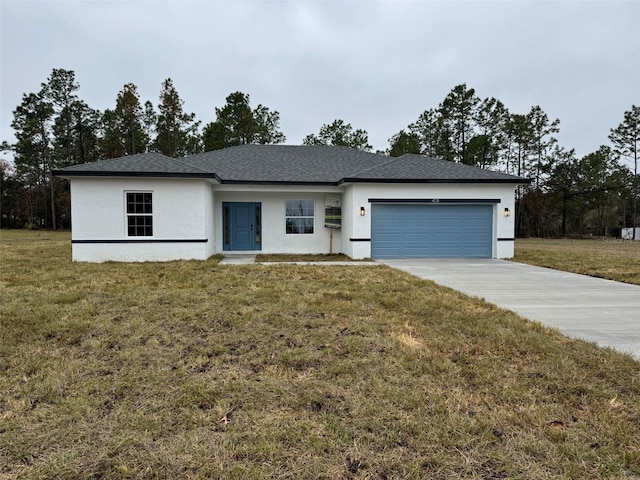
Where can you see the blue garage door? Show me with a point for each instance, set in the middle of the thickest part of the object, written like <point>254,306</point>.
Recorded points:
<point>431,231</point>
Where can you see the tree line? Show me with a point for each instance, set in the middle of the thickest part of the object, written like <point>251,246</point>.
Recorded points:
<point>54,128</point>
<point>568,195</point>
<point>592,195</point>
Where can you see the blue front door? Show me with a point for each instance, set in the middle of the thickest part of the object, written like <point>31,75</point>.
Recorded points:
<point>241,224</point>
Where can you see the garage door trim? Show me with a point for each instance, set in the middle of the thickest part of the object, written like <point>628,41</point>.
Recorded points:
<point>435,200</point>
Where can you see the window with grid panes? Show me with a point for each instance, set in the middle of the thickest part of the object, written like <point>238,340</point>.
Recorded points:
<point>299,216</point>
<point>139,214</point>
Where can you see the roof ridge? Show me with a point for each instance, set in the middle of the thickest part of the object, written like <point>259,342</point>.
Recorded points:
<point>437,159</point>
<point>103,160</point>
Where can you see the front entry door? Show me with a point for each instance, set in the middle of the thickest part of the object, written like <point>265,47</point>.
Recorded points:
<point>242,225</point>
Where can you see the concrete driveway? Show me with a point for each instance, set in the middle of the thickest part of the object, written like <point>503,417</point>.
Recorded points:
<point>597,310</point>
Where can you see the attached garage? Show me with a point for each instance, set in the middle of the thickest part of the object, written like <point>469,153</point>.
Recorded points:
<point>433,230</point>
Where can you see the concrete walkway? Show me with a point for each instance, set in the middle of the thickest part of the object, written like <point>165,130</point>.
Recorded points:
<point>597,310</point>
<point>237,259</point>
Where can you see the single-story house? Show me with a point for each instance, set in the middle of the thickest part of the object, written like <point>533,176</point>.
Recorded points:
<point>288,199</point>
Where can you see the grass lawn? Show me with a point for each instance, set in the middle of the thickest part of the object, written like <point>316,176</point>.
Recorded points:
<point>613,259</point>
<point>196,370</point>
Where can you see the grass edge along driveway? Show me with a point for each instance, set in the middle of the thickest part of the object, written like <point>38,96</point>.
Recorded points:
<point>612,259</point>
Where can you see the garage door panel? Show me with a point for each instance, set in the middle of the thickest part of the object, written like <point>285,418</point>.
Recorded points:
<point>390,253</point>
<point>431,231</point>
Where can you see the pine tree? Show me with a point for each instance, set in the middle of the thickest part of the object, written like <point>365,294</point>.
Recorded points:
<point>237,124</point>
<point>110,143</point>
<point>339,133</point>
<point>60,92</point>
<point>402,143</point>
<point>177,131</point>
<point>459,112</point>
<point>32,122</point>
<point>486,148</point>
<point>626,140</point>
<point>543,140</point>
<point>129,120</point>
<point>434,135</point>
<point>149,121</point>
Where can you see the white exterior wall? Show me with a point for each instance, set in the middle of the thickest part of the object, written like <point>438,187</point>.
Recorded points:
<point>356,229</point>
<point>272,200</point>
<point>179,213</point>
<point>357,195</point>
<point>210,219</point>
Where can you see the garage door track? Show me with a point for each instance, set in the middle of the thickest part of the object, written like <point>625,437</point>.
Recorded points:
<point>594,309</point>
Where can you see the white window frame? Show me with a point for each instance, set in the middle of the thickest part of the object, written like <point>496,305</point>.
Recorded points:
<point>129,215</point>
<point>312,217</point>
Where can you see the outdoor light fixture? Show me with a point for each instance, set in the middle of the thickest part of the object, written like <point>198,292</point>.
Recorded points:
<point>507,212</point>
<point>362,212</point>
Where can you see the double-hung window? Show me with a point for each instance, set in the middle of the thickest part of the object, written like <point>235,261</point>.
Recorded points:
<point>139,214</point>
<point>299,216</point>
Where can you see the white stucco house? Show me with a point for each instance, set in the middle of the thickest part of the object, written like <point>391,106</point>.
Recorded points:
<point>288,199</point>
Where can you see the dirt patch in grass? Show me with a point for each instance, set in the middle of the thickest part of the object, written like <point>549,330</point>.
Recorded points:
<point>605,258</point>
<point>192,370</point>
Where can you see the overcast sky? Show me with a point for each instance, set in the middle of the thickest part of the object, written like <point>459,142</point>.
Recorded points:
<point>376,65</point>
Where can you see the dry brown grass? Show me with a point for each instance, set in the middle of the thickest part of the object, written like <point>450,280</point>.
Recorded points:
<point>195,370</point>
<point>605,258</point>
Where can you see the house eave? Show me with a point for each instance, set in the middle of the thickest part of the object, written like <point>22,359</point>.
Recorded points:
<point>429,201</point>
<point>522,181</point>
<point>68,175</point>
<point>277,183</point>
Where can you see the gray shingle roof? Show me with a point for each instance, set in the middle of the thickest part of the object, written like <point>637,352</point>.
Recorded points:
<point>304,164</point>
<point>412,167</point>
<point>142,164</point>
